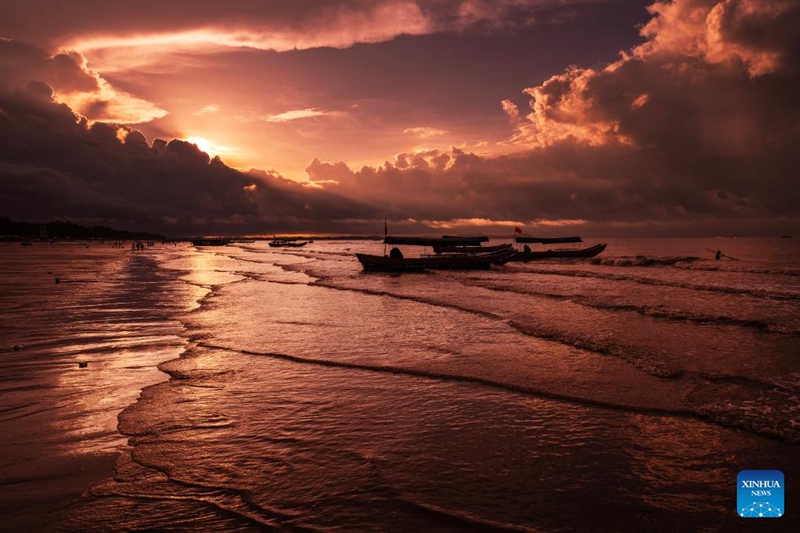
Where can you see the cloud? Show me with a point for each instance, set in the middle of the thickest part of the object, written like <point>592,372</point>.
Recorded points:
<point>55,164</point>
<point>759,34</point>
<point>297,114</point>
<point>74,84</point>
<point>268,24</point>
<point>511,109</point>
<point>424,132</point>
<point>695,130</point>
<point>208,110</point>
<point>679,132</point>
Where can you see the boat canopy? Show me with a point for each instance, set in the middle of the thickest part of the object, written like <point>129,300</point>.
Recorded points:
<point>434,241</point>
<point>477,238</point>
<point>554,240</point>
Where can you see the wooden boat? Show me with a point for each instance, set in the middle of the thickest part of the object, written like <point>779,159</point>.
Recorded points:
<point>286,242</point>
<point>210,242</point>
<point>464,261</point>
<point>468,249</point>
<point>555,253</point>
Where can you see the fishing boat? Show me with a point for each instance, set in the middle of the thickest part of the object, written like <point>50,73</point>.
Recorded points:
<point>286,242</point>
<point>395,261</point>
<point>552,251</point>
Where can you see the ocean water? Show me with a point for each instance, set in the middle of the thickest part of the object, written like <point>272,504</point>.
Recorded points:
<point>297,392</point>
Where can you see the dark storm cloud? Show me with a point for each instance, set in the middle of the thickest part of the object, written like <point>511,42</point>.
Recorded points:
<point>54,164</point>
<point>697,124</point>
<point>20,63</point>
<point>66,72</point>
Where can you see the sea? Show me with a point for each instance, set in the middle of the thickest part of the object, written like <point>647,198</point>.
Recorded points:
<point>249,388</point>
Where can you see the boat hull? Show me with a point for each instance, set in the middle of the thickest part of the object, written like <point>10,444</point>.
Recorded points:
<point>558,254</point>
<point>287,244</point>
<point>460,262</point>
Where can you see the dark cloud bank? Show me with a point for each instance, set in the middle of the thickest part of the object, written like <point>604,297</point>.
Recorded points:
<point>53,164</point>
<point>694,132</point>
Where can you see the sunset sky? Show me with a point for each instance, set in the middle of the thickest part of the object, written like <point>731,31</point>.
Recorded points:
<point>598,117</point>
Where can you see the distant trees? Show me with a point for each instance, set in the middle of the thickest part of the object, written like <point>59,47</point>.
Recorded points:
<point>64,229</point>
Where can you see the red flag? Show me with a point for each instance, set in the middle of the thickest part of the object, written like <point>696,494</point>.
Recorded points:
<point>517,230</point>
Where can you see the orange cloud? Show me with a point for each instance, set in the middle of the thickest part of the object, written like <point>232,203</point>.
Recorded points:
<point>691,43</point>
<point>334,28</point>
<point>720,31</point>
<point>474,222</point>
<point>562,111</point>
<point>297,114</point>
<point>110,105</point>
<point>73,83</point>
<point>424,132</point>
<point>511,109</point>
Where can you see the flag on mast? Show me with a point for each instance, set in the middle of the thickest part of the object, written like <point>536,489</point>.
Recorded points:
<point>517,230</point>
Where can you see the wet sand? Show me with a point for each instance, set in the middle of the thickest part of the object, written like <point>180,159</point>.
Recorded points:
<point>59,420</point>
<point>299,393</point>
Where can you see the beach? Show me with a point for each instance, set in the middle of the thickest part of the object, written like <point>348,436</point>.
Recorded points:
<point>245,388</point>
<point>111,310</point>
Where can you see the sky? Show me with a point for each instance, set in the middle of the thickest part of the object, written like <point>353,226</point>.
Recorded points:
<point>594,117</point>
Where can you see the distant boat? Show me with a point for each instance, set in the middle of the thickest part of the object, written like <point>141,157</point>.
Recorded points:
<point>210,242</point>
<point>786,236</point>
<point>395,261</point>
<point>25,243</point>
<point>554,253</point>
<point>287,242</point>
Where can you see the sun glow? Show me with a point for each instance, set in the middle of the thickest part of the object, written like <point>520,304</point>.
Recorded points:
<point>209,147</point>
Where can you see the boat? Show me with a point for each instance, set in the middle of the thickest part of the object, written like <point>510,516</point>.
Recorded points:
<point>395,261</point>
<point>448,249</point>
<point>286,242</point>
<point>211,242</point>
<point>550,252</point>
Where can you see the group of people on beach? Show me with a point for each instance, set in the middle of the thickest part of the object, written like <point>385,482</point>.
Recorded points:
<point>139,246</point>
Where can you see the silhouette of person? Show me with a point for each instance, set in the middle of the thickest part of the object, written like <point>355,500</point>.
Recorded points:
<point>718,254</point>
<point>395,253</point>
<point>526,248</point>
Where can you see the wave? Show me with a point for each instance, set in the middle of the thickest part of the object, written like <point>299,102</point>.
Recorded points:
<point>758,293</point>
<point>655,312</point>
<point>767,410</point>
<point>467,520</point>
<point>693,263</point>
<point>754,405</point>
<point>389,369</point>
<point>643,261</point>
<point>744,269</point>
<point>643,358</point>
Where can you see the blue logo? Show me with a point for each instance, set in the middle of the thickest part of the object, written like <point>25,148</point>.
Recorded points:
<point>760,494</point>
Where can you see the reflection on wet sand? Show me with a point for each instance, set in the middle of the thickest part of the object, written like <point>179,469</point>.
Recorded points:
<point>87,347</point>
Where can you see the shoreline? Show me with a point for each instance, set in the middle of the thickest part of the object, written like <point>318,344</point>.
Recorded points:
<point>61,419</point>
